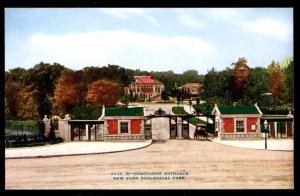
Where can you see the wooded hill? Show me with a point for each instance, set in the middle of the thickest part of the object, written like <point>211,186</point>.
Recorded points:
<point>53,89</point>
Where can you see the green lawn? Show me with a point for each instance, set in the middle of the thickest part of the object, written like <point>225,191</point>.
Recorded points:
<point>181,111</point>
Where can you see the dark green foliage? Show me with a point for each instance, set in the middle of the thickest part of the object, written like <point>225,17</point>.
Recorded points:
<point>192,120</point>
<point>52,131</point>
<point>41,126</point>
<point>85,111</point>
<point>278,111</point>
<point>125,99</point>
<point>257,87</point>
<point>28,125</point>
<point>289,83</point>
<point>217,87</point>
<point>203,108</point>
<point>198,101</point>
<point>164,96</point>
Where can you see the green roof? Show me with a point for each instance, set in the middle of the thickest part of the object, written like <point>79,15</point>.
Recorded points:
<point>238,110</point>
<point>137,111</point>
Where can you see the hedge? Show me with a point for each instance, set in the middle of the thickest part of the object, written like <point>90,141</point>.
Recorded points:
<point>28,125</point>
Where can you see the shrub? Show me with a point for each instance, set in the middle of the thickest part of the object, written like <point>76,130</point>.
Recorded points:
<point>28,125</point>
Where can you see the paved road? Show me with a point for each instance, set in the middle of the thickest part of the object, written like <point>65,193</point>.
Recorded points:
<point>175,164</point>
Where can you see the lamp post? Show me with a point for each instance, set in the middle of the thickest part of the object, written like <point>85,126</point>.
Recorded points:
<point>266,126</point>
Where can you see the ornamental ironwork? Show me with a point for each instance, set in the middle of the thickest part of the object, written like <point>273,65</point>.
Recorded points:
<point>160,112</point>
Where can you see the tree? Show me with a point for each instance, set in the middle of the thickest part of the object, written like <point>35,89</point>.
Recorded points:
<point>12,98</point>
<point>51,136</point>
<point>42,78</point>
<point>191,76</point>
<point>211,87</point>
<point>28,105</point>
<point>7,111</point>
<point>289,82</point>
<point>131,97</point>
<point>164,96</point>
<point>85,111</point>
<point>241,74</point>
<point>197,101</point>
<point>103,92</point>
<point>18,75</point>
<point>258,86</point>
<point>125,99</point>
<point>226,87</point>
<point>67,92</point>
<point>276,82</point>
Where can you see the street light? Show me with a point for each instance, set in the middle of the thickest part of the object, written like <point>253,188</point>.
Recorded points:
<point>266,126</point>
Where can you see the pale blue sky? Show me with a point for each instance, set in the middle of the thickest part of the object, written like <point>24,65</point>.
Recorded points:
<point>158,39</point>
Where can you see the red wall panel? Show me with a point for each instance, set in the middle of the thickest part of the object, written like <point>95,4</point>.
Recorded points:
<point>251,121</point>
<point>228,125</point>
<point>135,126</point>
<point>112,126</point>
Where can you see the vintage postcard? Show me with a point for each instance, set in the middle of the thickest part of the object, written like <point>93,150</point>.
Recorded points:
<point>149,98</point>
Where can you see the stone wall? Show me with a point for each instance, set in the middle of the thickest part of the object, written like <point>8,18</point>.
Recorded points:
<point>131,138</point>
<point>240,136</point>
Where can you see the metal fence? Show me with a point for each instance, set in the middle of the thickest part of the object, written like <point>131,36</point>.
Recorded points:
<point>20,131</point>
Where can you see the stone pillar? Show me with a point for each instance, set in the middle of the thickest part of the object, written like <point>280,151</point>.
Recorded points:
<point>142,127</point>
<point>179,128</point>
<point>47,126</point>
<point>105,131</point>
<point>64,128</point>
<point>275,129</point>
<point>86,132</point>
<point>258,127</point>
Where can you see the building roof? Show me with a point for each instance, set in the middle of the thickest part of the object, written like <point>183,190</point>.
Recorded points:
<point>238,110</point>
<point>192,85</point>
<point>136,111</point>
<point>146,80</point>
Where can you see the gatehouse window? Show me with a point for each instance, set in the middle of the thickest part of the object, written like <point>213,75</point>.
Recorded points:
<point>240,125</point>
<point>124,127</point>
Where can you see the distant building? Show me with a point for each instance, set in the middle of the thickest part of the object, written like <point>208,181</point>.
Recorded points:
<point>190,90</point>
<point>146,87</point>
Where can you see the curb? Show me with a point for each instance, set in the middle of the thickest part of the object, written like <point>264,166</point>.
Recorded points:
<point>60,155</point>
<point>42,146</point>
<point>251,148</point>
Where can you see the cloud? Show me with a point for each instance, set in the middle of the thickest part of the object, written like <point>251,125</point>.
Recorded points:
<point>121,47</point>
<point>226,13</point>
<point>270,27</point>
<point>125,13</point>
<point>189,21</point>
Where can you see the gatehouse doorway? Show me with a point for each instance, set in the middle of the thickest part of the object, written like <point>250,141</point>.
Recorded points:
<point>86,130</point>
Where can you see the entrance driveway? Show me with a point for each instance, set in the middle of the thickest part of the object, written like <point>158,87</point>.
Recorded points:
<point>190,164</point>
